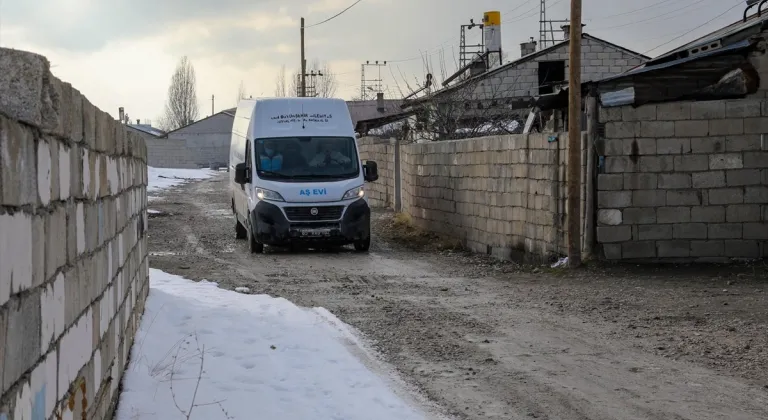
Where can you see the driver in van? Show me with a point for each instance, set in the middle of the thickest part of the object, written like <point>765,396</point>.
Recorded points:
<point>270,159</point>
<point>328,156</point>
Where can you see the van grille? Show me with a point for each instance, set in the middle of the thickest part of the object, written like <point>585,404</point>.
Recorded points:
<point>304,214</point>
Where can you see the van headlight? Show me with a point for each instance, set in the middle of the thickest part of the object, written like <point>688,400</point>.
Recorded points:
<point>358,192</point>
<point>268,195</point>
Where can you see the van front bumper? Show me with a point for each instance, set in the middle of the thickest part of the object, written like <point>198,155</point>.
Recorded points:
<point>271,227</point>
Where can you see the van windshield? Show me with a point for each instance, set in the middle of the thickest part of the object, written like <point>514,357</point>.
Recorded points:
<point>283,158</point>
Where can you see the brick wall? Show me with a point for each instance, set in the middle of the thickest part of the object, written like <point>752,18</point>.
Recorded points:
<point>382,192</point>
<point>685,181</point>
<point>73,250</point>
<point>501,195</point>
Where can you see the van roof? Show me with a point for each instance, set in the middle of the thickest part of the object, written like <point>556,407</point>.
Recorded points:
<point>295,117</point>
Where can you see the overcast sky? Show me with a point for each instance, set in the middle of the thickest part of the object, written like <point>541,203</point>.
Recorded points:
<point>122,53</point>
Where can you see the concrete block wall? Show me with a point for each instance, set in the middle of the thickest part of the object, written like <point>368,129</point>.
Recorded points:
<point>502,195</point>
<point>599,60</point>
<point>169,153</point>
<point>685,181</point>
<point>73,248</point>
<point>382,151</point>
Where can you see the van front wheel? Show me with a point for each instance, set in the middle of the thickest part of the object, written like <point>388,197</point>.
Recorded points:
<point>254,246</point>
<point>364,245</point>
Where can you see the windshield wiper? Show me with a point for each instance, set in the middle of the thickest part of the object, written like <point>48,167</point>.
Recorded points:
<point>271,173</point>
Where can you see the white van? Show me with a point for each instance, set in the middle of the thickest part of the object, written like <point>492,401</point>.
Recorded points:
<point>295,174</point>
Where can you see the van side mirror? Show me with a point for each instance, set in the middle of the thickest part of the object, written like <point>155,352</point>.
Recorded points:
<point>241,174</point>
<point>370,171</point>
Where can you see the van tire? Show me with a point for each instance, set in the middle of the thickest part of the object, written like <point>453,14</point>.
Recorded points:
<point>254,246</point>
<point>240,231</point>
<point>364,245</point>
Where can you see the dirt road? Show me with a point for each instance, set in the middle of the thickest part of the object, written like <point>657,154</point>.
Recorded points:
<point>491,340</point>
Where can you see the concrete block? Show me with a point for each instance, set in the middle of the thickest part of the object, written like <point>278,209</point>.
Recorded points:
<point>52,312</point>
<point>43,172</point>
<point>711,144</point>
<point>89,123</point>
<point>655,164</point>
<point>642,113</point>
<point>712,179</point>
<point>742,249</point>
<point>726,127</point>
<point>757,194</point>
<point>607,182</point>
<point>609,217</point>
<point>673,215</point>
<point>15,254</point>
<point>708,214</point>
<point>724,230</point>
<point>756,159</point>
<point>657,129</point>
<point>742,108</point>
<point>743,213</point>
<point>755,125</point>
<point>648,198</point>
<point>707,110</point>
<point>684,198</point>
<point>55,193</point>
<point>674,181</point>
<point>639,215</point>
<point>726,161</point>
<point>56,242</point>
<point>39,240</point>
<point>654,232</point>
<point>18,177</point>
<point>747,142</point>
<point>673,146</point>
<point>726,196</point>
<point>608,234</point>
<point>742,177</point>
<point>76,172</point>
<point>690,231</point>
<point>614,199</point>
<point>622,130</point>
<point>691,163</point>
<point>22,342</point>
<point>707,248</point>
<point>692,128</point>
<point>610,114</point>
<point>612,251</point>
<point>674,111</point>
<point>91,226</point>
<point>673,249</point>
<point>619,164</point>
<point>756,231</point>
<point>640,181</point>
<point>638,249</point>
<point>103,130</point>
<point>25,92</point>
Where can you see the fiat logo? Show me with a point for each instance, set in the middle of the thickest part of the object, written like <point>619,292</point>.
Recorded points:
<point>313,211</point>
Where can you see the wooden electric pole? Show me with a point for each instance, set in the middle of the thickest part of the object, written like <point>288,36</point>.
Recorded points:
<point>303,64</point>
<point>574,137</point>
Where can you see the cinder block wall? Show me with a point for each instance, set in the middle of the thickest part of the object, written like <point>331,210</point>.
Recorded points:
<point>169,153</point>
<point>503,195</point>
<point>382,151</point>
<point>685,181</point>
<point>73,249</point>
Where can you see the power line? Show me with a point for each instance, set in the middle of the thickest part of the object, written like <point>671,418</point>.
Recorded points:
<point>334,16</point>
<point>703,24</point>
<point>631,11</point>
<point>652,17</point>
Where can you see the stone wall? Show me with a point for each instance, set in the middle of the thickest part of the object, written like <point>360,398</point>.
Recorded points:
<point>382,151</point>
<point>73,249</point>
<point>685,181</point>
<point>500,195</point>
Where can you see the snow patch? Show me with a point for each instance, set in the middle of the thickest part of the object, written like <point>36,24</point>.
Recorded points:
<point>162,178</point>
<point>259,354</point>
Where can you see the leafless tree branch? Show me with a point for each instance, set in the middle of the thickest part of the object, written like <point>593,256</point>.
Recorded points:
<point>181,108</point>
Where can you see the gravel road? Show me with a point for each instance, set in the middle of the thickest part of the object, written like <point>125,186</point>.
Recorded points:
<point>483,339</point>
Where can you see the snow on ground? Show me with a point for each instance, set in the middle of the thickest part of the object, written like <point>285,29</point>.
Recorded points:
<point>161,178</point>
<point>261,357</point>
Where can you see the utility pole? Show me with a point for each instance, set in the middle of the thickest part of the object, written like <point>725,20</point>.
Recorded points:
<point>303,64</point>
<point>373,84</point>
<point>574,137</point>
<point>212,104</point>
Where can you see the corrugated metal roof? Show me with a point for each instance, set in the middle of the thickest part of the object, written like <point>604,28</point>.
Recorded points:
<point>147,129</point>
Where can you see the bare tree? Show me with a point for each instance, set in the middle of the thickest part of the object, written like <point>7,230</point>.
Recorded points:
<point>327,84</point>
<point>294,84</point>
<point>240,92</point>
<point>280,83</point>
<point>181,108</point>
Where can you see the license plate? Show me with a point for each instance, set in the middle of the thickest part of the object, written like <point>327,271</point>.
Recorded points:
<point>314,233</point>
